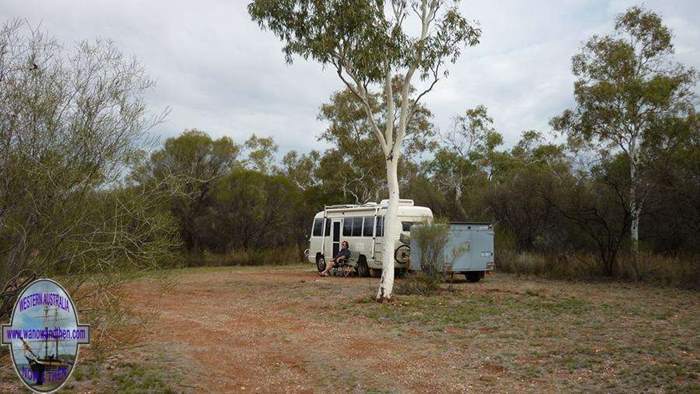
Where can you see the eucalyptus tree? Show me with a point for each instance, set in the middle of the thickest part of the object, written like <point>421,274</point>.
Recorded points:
<point>260,154</point>
<point>368,44</point>
<point>303,172</point>
<point>302,169</point>
<point>465,155</point>
<point>628,87</point>
<point>188,167</point>
<point>354,165</point>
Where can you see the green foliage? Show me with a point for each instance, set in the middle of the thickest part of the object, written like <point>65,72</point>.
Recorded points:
<point>302,169</point>
<point>430,239</point>
<point>187,168</point>
<point>72,125</point>
<point>350,34</point>
<point>261,151</point>
<point>628,83</point>
<point>465,161</point>
<point>355,167</point>
<point>65,206</point>
<point>628,87</point>
<point>249,209</point>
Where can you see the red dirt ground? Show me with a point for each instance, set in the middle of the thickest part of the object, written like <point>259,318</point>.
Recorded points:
<point>275,331</point>
<point>284,329</point>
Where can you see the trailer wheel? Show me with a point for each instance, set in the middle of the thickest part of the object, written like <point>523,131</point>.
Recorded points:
<point>320,263</point>
<point>362,268</point>
<point>473,276</point>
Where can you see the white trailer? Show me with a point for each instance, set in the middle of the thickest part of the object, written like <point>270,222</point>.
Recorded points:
<point>362,226</point>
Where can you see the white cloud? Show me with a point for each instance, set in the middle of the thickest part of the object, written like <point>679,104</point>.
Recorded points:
<point>219,72</point>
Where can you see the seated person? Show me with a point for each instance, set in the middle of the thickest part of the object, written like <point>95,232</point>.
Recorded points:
<point>342,256</point>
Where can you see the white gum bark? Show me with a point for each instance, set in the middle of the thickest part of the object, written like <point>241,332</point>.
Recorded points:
<point>391,230</point>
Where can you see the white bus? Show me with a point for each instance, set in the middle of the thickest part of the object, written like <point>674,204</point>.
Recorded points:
<point>362,226</point>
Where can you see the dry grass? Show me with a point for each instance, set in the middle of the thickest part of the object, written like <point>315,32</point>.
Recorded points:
<point>681,272</point>
<point>267,257</point>
<point>282,329</point>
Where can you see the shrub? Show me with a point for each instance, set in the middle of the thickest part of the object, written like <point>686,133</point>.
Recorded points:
<point>560,266</point>
<point>271,256</point>
<point>431,240</point>
<point>418,284</point>
<point>678,271</point>
<point>683,272</point>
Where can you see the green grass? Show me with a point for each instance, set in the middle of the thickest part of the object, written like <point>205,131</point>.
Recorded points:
<point>134,378</point>
<point>440,311</point>
<point>142,373</point>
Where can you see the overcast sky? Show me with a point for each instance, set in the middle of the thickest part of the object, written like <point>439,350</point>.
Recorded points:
<point>218,72</point>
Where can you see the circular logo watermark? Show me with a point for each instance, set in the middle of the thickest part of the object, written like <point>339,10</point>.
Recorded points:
<point>44,335</point>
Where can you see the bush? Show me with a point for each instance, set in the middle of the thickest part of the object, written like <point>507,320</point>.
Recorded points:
<point>561,266</point>
<point>678,271</point>
<point>683,272</point>
<point>272,256</point>
<point>431,240</point>
<point>418,284</point>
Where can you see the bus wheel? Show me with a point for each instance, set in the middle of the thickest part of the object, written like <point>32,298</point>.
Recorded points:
<point>362,268</point>
<point>320,263</point>
<point>473,276</point>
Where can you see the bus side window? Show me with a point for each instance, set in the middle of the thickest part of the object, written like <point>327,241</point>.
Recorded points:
<point>380,226</point>
<point>328,228</point>
<point>318,226</point>
<point>357,226</point>
<point>368,228</point>
<point>347,227</point>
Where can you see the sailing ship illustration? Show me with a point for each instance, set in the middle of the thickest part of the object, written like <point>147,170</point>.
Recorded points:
<point>51,362</point>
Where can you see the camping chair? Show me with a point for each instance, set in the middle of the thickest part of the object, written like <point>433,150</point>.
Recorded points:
<point>346,268</point>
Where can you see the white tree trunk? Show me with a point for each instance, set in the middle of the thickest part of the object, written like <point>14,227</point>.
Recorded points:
<point>635,208</point>
<point>392,137</point>
<point>386,285</point>
<point>634,205</point>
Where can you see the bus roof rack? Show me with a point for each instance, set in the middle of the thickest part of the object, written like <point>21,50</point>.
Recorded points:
<point>403,202</point>
<point>337,206</point>
<point>341,206</point>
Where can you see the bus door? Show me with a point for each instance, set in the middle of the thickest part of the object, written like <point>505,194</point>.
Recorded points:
<point>335,236</point>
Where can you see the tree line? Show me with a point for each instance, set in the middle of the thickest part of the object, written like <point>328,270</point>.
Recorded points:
<point>613,185</point>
